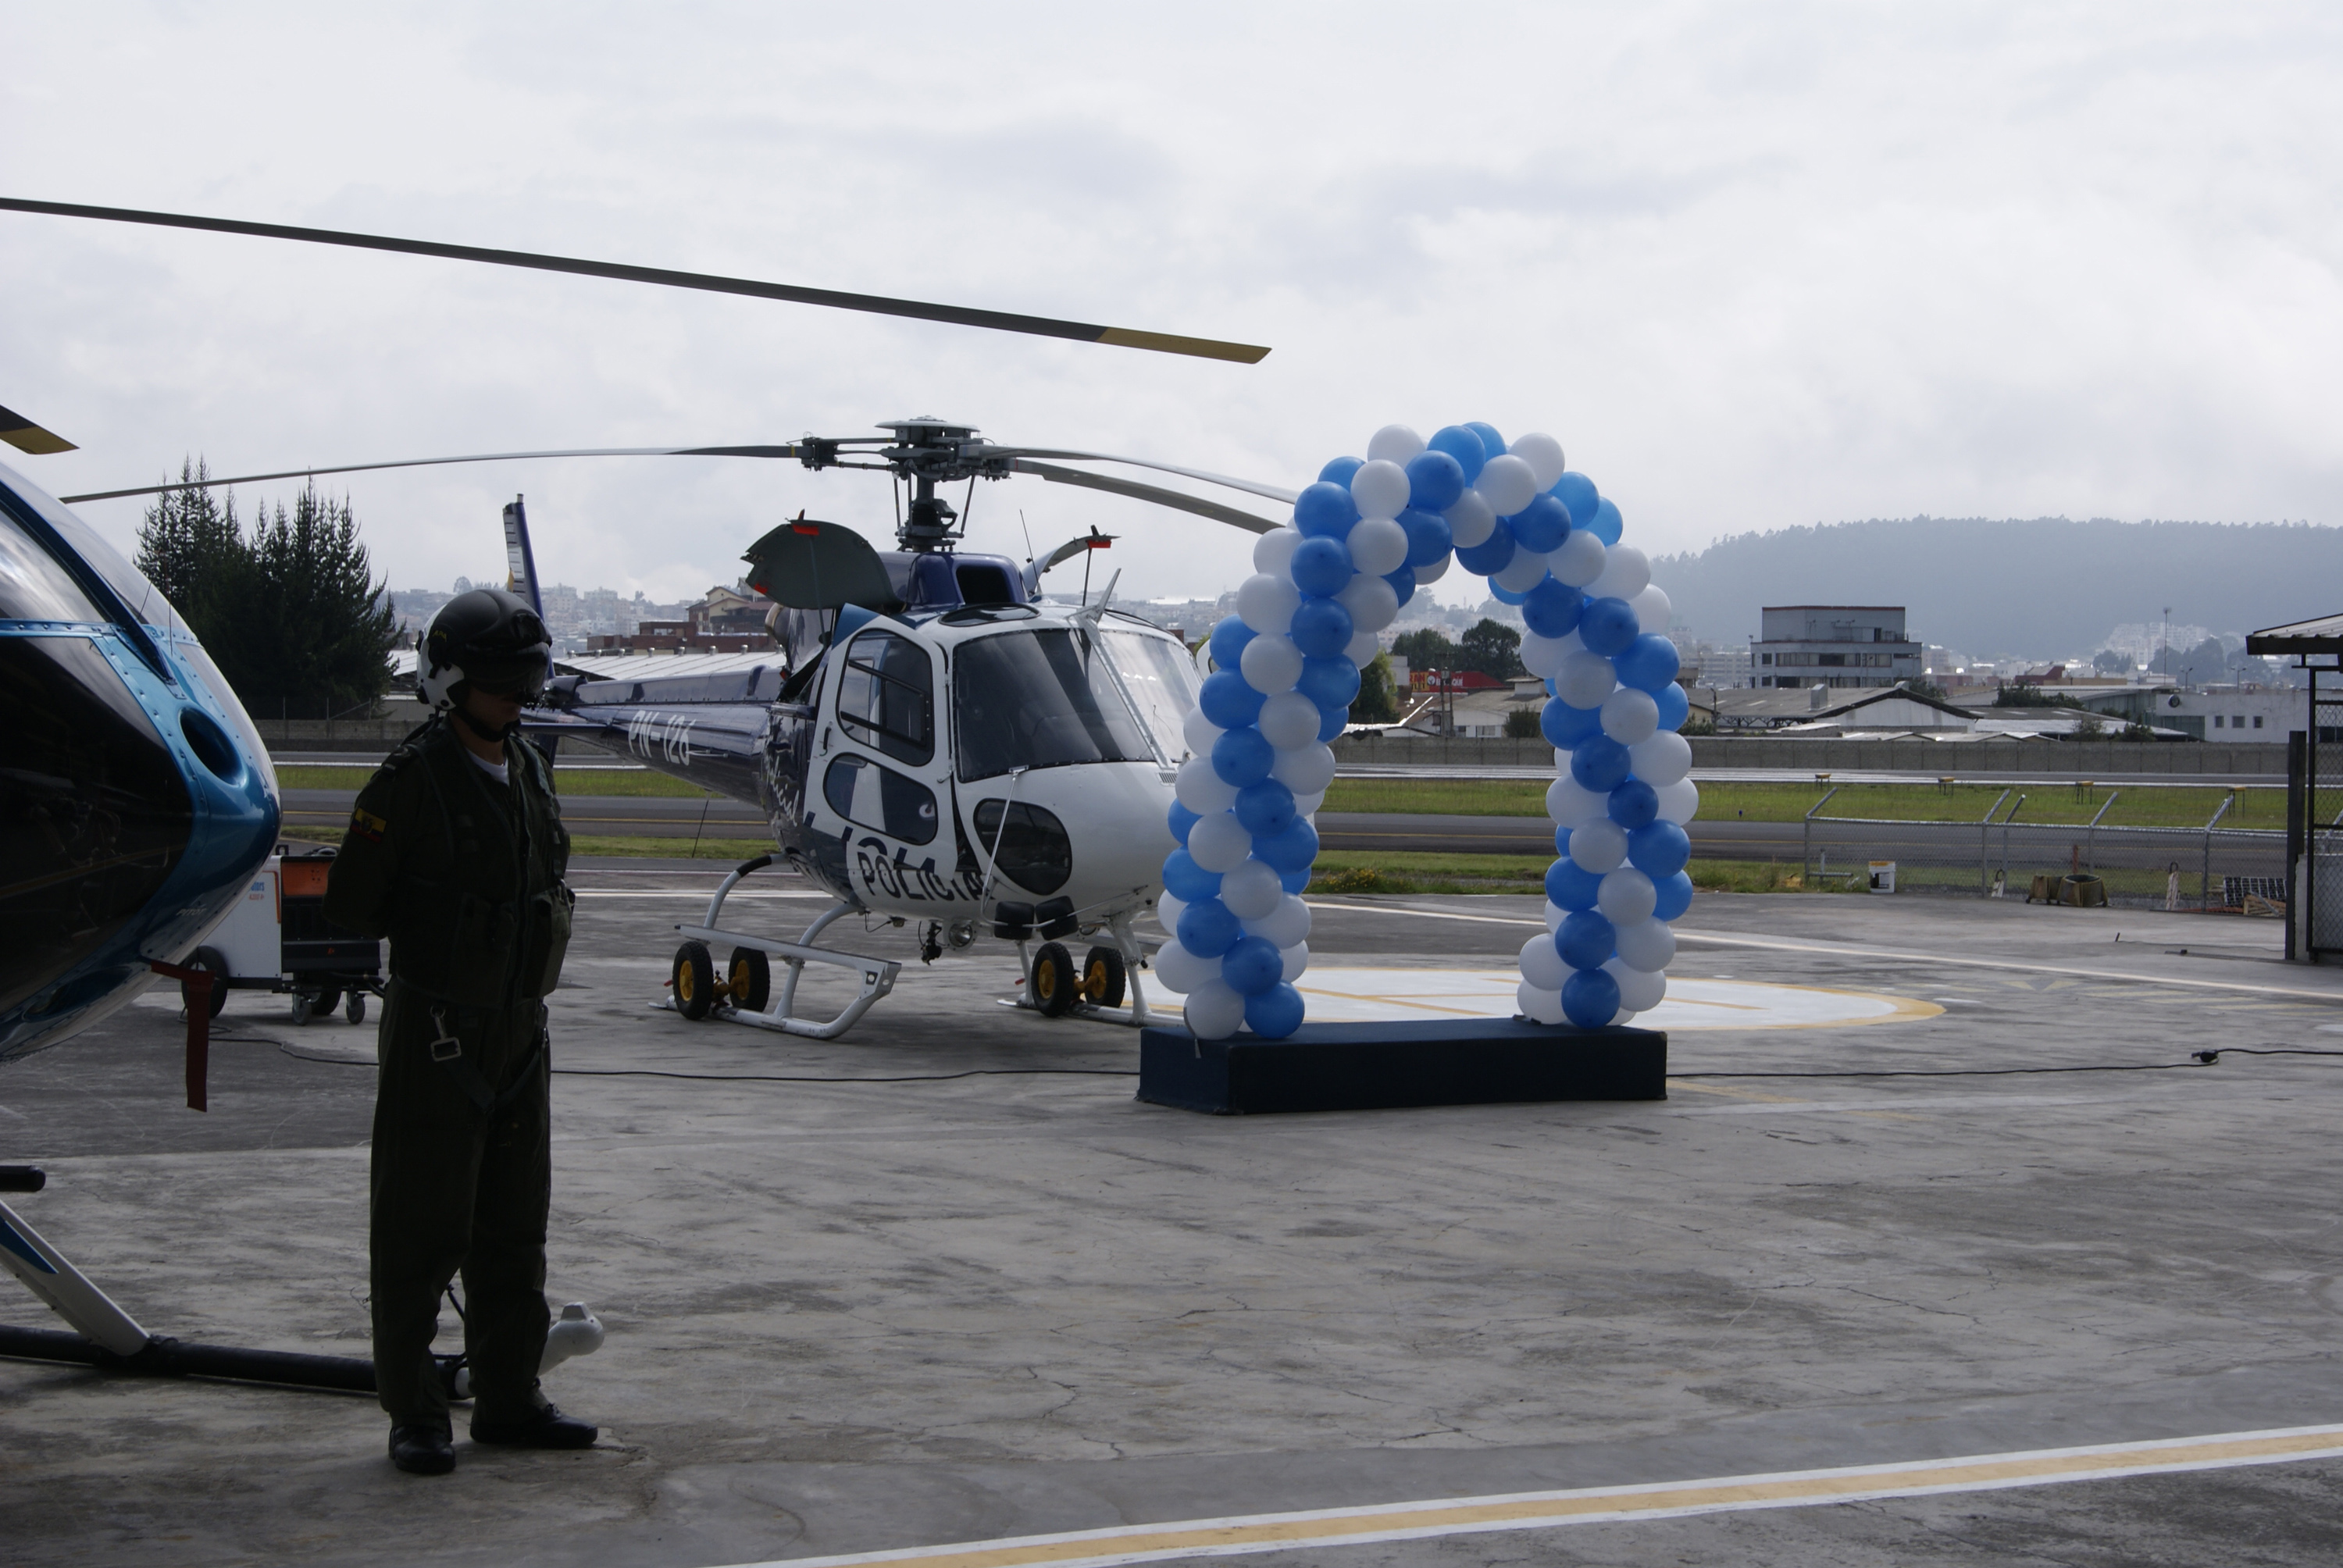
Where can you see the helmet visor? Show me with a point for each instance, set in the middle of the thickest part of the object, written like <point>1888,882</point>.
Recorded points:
<point>519,673</point>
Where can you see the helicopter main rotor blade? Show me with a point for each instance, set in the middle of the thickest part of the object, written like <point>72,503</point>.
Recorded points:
<point>26,436</point>
<point>1138,492</point>
<point>435,462</point>
<point>872,304</point>
<point>1253,487</point>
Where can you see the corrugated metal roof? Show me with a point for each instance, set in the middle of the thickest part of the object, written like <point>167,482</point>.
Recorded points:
<point>662,666</point>
<point>2324,635</point>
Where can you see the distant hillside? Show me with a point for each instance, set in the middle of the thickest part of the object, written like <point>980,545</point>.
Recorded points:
<point>2046,587</point>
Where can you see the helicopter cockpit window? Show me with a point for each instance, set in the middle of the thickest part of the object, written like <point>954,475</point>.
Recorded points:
<point>1039,699</point>
<point>33,585</point>
<point>886,697</point>
<point>864,793</point>
<point>1162,680</point>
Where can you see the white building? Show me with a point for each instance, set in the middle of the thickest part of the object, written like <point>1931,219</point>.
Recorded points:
<point>1832,645</point>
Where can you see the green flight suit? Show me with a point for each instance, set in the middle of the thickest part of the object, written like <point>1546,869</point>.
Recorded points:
<point>464,876</point>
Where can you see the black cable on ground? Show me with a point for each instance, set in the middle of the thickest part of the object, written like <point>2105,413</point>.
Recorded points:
<point>913,1078</point>
<point>2197,1059</point>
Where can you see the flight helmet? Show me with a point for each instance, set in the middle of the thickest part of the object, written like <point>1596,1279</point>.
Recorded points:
<point>487,638</point>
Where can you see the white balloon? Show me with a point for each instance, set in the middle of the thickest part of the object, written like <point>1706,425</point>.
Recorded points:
<point>1307,805</point>
<point>1542,964</point>
<point>1543,455</point>
<point>1289,719</point>
<point>1201,789</point>
<point>1252,891</point>
<point>1436,572</point>
<point>1395,444</point>
<point>1554,915</point>
<point>1219,842</point>
<point>1379,489</point>
<point>1199,732</point>
<point>1626,897</point>
<point>1470,520</point>
<point>1521,573</point>
<point>1362,648</point>
<point>1578,562</point>
<point>1181,970</point>
<point>1647,944</point>
<point>1541,656</point>
<point>1284,926</point>
<point>1377,544</point>
<point>1626,572</point>
<point>1304,769</point>
<point>1271,663</point>
<point>1622,1018</point>
<point>1573,804</point>
<point>1538,1006</point>
<point>1584,680</point>
<point>1374,603</point>
<point>1630,716</point>
<point>1274,552</point>
<point>1214,1010</point>
<point>1679,801</point>
<point>1297,958</point>
<point>1653,609</point>
<point>1507,483</point>
<point>1169,908</point>
<point>1663,759</point>
<point>1597,847</point>
<point>1640,990</point>
<point>1267,603</point>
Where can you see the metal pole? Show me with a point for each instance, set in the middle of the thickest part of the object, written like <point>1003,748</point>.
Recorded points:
<point>1985,847</point>
<point>2205,882</point>
<point>2091,835</point>
<point>1806,838</point>
<point>2005,821</point>
<point>2297,747</point>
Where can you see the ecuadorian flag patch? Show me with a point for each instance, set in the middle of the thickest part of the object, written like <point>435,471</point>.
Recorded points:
<point>369,826</point>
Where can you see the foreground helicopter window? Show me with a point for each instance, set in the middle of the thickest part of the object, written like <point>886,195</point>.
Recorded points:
<point>886,697</point>
<point>1039,699</point>
<point>864,793</point>
<point>1161,682</point>
<point>1033,851</point>
<point>33,585</point>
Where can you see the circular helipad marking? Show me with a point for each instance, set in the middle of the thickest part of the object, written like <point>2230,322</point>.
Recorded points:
<point>1396,995</point>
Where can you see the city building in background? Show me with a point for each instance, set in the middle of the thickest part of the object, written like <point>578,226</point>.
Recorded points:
<point>1832,645</point>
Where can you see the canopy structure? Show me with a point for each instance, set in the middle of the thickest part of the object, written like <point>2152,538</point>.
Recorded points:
<point>809,565</point>
<point>2303,639</point>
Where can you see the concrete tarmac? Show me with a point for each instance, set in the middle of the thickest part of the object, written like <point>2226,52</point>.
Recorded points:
<point>851,1316</point>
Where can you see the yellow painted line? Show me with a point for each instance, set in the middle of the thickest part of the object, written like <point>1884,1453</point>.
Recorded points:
<point>1243,1535</point>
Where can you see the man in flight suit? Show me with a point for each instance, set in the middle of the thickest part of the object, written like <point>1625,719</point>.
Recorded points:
<point>455,853</point>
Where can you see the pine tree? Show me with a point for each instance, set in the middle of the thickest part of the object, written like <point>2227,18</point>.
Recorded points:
<point>191,548</point>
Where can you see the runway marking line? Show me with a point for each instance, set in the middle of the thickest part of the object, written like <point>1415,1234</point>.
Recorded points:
<point>1247,1533</point>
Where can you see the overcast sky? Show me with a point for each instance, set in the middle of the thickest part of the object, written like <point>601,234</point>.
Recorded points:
<point>1755,266</point>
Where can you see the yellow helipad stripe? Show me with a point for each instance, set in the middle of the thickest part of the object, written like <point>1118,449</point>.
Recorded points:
<point>1605,1504</point>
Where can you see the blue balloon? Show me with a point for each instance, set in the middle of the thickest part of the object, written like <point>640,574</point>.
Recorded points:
<point>1243,757</point>
<point>1180,820</point>
<point>1329,682</point>
<point>1541,525</point>
<point>1331,722</point>
<point>1265,807</point>
<point>1435,481</point>
<point>1227,700</point>
<point>1463,444</point>
<point>1674,706</point>
<point>1577,492</point>
<point>1275,1012</point>
<point>1590,999</point>
<point>1587,939</point>
<point>1188,881</point>
<point>1606,626</point>
<point>1607,525</point>
<point>1429,537</point>
<point>1325,510</point>
<point>1552,608</point>
<point>1208,927</point>
<point>1675,896</point>
<point>1321,627</point>
<point>1291,850</point>
<point>1505,595</point>
<point>1600,763</point>
<point>1570,886</point>
<point>1339,471</point>
<point>1295,882</point>
<point>1228,640</point>
<point>1560,840</point>
<point>1564,726</point>
<point>1648,664</point>
<point>1251,966</point>
<point>1403,582</point>
<point>1322,566</point>
<point>1659,849</point>
<point>1490,557</point>
<point>1492,443</point>
<point>1633,804</point>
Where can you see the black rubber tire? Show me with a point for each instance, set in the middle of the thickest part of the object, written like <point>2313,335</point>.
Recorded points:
<point>1102,978</point>
<point>328,1001</point>
<point>209,960</point>
<point>694,979</point>
<point>355,1008</point>
<point>302,1011</point>
<point>750,978</point>
<point>1056,986</point>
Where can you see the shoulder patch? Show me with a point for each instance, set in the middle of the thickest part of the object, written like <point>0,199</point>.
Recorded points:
<point>367,826</point>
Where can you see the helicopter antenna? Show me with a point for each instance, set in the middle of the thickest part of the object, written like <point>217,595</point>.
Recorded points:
<point>1028,532</point>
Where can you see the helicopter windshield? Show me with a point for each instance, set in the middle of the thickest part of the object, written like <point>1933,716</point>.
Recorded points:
<point>1040,698</point>
<point>1161,684</point>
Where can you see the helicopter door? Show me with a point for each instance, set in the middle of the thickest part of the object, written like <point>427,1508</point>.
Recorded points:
<point>885,781</point>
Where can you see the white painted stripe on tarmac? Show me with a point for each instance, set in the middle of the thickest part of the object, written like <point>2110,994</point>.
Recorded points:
<point>1250,1534</point>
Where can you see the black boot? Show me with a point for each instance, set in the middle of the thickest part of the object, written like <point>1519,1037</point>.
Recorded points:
<point>421,1448</point>
<point>546,1428</point>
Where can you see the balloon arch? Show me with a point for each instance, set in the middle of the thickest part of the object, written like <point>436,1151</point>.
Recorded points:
<point>1363,538</point>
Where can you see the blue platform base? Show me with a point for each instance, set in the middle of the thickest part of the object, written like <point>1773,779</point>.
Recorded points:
<point>1382,1066</point>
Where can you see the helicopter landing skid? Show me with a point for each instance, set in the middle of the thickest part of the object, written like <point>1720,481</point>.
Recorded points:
<point>877,977</point>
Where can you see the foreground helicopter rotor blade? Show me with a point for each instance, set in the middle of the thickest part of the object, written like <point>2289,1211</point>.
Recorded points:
<point>872,304</point>
<point>26,436</point>
<point>1137,491</point>
<point>435,462</point>
<point>1253,487</point>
